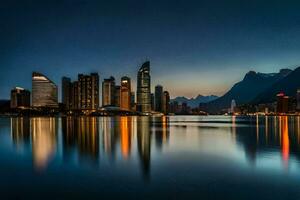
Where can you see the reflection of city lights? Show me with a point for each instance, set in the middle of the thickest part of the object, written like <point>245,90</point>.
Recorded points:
<point>285,140</point>
<point>43,140</point>
<point>125,136</point>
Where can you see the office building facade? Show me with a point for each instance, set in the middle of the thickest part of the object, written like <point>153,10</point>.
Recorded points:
<point>44,91</point>
<point>144,89</point>
<point>19,98</point>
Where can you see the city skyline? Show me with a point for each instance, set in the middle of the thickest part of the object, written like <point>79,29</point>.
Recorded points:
<point>184,42</point>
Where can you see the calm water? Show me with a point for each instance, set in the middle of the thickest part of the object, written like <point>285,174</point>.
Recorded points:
<point>179,157</point>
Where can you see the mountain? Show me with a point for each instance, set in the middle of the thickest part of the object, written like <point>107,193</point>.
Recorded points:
<point>246,90</point>
<point>194,102</point>
<point>288,85</point>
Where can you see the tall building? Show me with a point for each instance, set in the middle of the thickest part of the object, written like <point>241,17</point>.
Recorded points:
<point>125,93</point>
<point>19,98</point>
<point>282,103</point>
<point>158,98</point>
<point>132,101</point>
<point>44,91</point>
<point>143,92</point>
<point>75,91</point>
<point>117,97</point>
<point>88,91</point>
<point>152,102</point>
<point>166,103</point>
<point>108,92</point>
<point>298,99</point>
<point>66,92</point>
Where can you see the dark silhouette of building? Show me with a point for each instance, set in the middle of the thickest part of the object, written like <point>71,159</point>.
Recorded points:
<point>166,103</point>
<point>282,103</point>
<point>66,92</point>
<point>158,98</point>
<point>117,96</point>
<point>152,102</point>
<point>144,89</point>
<point>19,98</point>
<point>132,101</point>
<point>44,91</point>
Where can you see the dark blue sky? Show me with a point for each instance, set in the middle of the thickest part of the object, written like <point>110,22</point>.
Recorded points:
<point>195,47</point>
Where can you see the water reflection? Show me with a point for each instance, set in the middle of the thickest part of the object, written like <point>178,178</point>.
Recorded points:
<point>89,138</point>
<point>44,140</point>
<point>269,136</point>
<point>84,138</point>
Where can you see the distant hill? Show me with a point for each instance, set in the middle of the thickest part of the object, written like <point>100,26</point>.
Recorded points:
<point>246,90</point>
<point>288,85</point>
<point>194,102</point>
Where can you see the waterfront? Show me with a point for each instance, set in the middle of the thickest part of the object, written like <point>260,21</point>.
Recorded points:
<point>208,157</point>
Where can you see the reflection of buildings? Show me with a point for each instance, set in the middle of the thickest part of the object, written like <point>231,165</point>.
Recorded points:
<point>20,131</point>
<point>110,134</point>
<point>162,130</point>
<point>81,133</point>
<point>271,134</point>
<point>144,143</point>
<point>43,137</point>
<point>126,136</point>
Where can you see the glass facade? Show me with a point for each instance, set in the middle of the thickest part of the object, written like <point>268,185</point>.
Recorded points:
<point>44,91</point>
<point>144,89</point>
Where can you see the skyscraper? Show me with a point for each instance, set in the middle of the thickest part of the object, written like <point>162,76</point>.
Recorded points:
<point>44,91</point>
<point>88,89</point>
<point>132,101</point>
<point>158,98</point>
<point>20,98</point>
<point>66,92</point>
<point>144,89</point>
<point>117,97</point>
<point>108,92</point>
<point>152,102</point>
<point>125,93</point>
<point>166,103</point>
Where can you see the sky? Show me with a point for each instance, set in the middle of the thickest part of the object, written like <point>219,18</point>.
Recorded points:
<point>195,47</point>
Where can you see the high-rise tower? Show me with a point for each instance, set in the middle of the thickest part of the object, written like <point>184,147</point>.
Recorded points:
<point>144,89</point>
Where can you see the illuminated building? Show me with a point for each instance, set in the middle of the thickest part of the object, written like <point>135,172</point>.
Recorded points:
<point>88,91</point>
<point>166,102</point>
<point>298,99</point>
<point>152,102</point>
<point>132,101</point>
<point>44,91</point>
<point>144,89</point>
<point>108,92</point>
<point>158,98</point>
<point>117,96</point>
<point>19,98</point>
<point>125,93</point>
<point>66,92</point>
<point>282,103</point>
